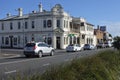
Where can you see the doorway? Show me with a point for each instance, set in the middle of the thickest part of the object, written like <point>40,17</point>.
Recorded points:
<point>58,43</point>
<point>11,41</point>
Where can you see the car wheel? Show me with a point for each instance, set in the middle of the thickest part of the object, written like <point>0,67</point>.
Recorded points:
<point>52,53</point>
<point>39,54</point>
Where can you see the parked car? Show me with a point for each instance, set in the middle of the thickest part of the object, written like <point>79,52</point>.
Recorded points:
<point>89,47</point>
<point>38,49</point>
<point>101,45</point>
<point>108,45</point>
<point>73,47</point>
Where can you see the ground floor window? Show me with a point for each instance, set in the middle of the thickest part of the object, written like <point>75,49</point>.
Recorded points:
<point>25,39</point>
<point>74,40</point>
<point>18,39</point>
<point>15,41</point>
<point>70,40</point>
<point>78,40</point>
<point>7,41</point>
<point>2,40</point>
<point>49,40</point>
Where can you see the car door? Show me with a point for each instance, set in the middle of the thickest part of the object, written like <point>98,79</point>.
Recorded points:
<point>47,48</point>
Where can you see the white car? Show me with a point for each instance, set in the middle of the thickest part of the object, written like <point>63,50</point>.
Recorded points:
<point>73,47</point>
<point>89,47</point>
<point>38,49</point>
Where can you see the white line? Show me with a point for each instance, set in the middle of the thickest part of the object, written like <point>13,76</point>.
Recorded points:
<point>66,60</point>
<point>47,64</point>
<point>9,72</point>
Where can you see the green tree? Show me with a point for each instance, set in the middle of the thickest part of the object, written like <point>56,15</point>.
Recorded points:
<point>116,43</point>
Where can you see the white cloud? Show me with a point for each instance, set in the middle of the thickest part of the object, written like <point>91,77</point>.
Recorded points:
<point>113,27</point>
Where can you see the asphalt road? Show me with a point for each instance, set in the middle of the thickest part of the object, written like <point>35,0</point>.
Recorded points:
<point>27,66</point>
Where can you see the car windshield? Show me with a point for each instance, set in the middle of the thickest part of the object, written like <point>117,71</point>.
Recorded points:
<point>71,45</point>
<point>30,44</point>
<point>87,45</point>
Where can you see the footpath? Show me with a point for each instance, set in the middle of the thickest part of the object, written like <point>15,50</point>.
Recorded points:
<point>8,55</point>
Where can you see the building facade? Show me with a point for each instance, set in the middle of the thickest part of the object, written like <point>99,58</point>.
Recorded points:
<point>99,35</point>
<point>55,27</point>
<point>86,32</point>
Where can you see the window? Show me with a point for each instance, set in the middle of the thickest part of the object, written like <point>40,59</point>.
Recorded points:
<point>33,24</point>
<point>18,39</point>
<point>6,40</point>
<point>83,36</point>
<point>44,23</point>
<point>2,40</point>
<point>2,26</point>
<point>25,39</point>
<point>15,41</point>
<point>19,25</point>
<point>49,23</point>
<point>58,23</point>
<point>11,26</point>
<point>74,40</point>
<point>82,23</point>
<point>26,25</point>
<point>42,45</point>
<point>49,40</point>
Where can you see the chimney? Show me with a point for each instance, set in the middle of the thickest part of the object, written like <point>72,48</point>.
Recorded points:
<point>40,7</point>
<point>34,11</point>
<point>98,27</point>
<point>20,12</point>
<point>8,14</point>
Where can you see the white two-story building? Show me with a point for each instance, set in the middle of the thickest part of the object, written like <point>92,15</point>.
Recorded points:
<point>55,27</point>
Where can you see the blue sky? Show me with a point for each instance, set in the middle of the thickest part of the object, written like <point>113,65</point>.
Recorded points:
<point>97,12</point>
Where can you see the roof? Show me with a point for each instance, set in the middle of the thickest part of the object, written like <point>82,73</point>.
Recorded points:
<point>15,17</point>
<point>89,24</point>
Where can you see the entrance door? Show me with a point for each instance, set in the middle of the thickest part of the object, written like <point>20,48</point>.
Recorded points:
<point>58,43</point>
<point>11,41</point>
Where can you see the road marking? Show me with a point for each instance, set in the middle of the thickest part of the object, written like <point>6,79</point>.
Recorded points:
<point>9,72</point>
<point>66,60</point>
<point>47,64</point>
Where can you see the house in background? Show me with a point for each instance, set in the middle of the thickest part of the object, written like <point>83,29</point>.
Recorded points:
<point>102,35</point>
<point>86,32</point>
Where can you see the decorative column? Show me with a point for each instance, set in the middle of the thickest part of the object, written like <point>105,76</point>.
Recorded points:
<point>62,41</point>
<point>54,41</point>
<point>54,23</point>
<point>62,23</point>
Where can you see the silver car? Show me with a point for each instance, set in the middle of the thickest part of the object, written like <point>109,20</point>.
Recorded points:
<point>38,49</point>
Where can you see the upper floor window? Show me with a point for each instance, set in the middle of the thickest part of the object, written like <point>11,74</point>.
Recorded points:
<point>44,23</point>
<point>26,25</point>
<point>58,23</point>
<point>11,26</point>
<point>19,25</point>
<point>33,24</point>
<point>49,23</point>
<point>82,23</point>
<point>2,26</point>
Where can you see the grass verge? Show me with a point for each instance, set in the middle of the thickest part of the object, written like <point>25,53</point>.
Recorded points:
<point>103,66</point>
